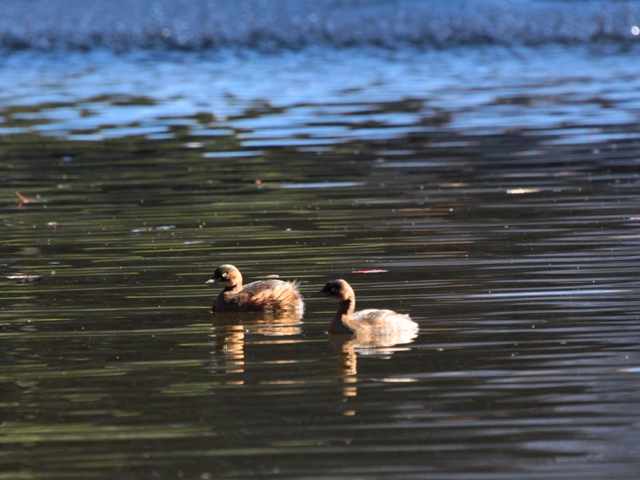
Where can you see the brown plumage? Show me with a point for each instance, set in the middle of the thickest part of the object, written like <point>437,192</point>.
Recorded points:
<point>262,296</point>
<point>369,322</point>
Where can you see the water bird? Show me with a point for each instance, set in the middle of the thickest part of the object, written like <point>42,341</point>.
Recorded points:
<point>366,323</point>
<point>260,296</point>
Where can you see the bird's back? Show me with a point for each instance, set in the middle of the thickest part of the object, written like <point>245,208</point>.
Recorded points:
<point>379,320</point>
<point>262,296</point>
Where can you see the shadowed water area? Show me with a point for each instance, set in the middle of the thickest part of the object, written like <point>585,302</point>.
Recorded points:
<point>493,197</point>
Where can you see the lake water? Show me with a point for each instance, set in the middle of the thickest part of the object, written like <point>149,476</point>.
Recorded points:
<point>490,191</point>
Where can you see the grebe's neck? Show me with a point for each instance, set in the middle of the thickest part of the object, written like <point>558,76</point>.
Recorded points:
<point>234,289</point>
<point>346,308</point>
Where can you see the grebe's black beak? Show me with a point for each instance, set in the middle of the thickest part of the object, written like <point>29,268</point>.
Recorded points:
<point>211,280</point>
<point>321,293</point>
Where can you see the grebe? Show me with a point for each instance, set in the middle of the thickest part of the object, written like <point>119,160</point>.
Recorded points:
<point>366,322</point>
<point>262,296</point>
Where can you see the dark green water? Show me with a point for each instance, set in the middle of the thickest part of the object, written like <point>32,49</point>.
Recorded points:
<point>517,253</point>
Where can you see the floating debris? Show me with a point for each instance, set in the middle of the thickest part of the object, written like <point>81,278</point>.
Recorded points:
<point>148,229</point>
<point>25,201</point>
<point>520,191</point>
<point>25,278</point>
<point>371,271</point>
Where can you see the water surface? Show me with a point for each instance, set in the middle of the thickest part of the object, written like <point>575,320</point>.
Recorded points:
<point>495,201</point>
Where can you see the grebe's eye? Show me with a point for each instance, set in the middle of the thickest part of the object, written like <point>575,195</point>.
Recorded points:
<point>333,289</point>
<point>224,274</point>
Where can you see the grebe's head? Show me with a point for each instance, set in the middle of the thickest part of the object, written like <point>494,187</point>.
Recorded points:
<point>338,289</point>
<point>226,275</point>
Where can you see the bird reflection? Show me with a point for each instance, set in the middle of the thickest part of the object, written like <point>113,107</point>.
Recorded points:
<point>229,336</point>
<point>365,344</point>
